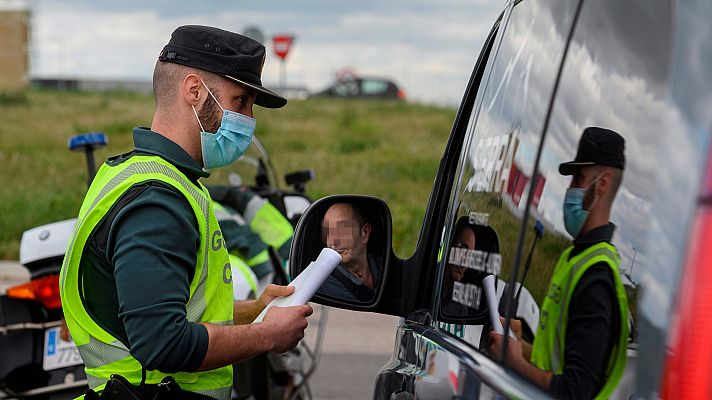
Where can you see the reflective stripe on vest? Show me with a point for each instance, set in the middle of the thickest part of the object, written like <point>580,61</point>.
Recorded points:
<point>211,297</point>
<point>245,271</point>
<point>549,343</point>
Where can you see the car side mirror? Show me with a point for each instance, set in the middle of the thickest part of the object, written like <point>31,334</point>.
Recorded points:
<point>359,229</point>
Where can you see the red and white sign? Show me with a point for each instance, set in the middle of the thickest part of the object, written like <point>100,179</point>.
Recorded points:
<point>281,45</point>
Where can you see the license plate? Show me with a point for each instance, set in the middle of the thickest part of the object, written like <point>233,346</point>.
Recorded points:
<point>57,352</point>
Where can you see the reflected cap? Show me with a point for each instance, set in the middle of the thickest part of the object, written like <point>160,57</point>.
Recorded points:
<point>231,55</point>
<point>597,146</point>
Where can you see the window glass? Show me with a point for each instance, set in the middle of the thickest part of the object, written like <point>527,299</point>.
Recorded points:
<point>346,88</point>
<point>497,164</point>
<point>372,87</point>
<point>616,77</point>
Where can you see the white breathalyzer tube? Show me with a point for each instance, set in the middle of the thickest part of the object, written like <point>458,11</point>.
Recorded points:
<point>491,296</point>
<point>307,282</point>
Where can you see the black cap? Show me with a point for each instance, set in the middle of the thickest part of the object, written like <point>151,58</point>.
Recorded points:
<point>597,146</point>
<point>234,56</point>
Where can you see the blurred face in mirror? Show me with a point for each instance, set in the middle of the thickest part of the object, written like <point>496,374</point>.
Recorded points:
<point>346,229</point>
<point>346,232</point>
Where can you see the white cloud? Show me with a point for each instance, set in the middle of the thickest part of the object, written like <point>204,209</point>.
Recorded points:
<point>429,48</point>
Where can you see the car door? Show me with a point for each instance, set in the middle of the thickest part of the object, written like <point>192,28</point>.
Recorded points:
<point>616,74</point>
<point>441,352</point>
<point>629,71</point>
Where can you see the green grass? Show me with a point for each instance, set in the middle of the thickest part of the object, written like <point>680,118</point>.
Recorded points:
<point>385,149</point>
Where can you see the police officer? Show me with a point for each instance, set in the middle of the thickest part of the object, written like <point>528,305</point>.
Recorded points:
<point>579,350</point>
<point>146,283</point>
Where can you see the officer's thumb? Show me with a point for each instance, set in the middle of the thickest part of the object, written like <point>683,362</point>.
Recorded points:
<point>308,310</point>
<point>301,310</point>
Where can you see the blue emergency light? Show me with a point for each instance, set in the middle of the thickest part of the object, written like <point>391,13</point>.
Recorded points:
<point>92,140</point>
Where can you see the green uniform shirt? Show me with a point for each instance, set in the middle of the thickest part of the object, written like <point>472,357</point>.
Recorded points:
<point>144,257</point>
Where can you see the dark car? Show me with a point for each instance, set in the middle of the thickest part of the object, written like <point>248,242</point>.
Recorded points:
<point>548,70</point>
<point>363,87</point>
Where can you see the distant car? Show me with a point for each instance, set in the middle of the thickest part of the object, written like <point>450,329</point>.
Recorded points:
<point>292,92</point>
<point>368,88</point>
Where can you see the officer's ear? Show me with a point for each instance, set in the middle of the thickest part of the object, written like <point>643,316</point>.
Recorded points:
<point>603,186</point>
<point>192,90</point>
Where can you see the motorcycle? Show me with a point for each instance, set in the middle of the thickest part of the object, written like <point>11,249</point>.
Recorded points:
<point>38,363</point>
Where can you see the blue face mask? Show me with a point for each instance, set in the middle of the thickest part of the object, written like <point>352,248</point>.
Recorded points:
<point>230,141</point>
<point>574,214</point>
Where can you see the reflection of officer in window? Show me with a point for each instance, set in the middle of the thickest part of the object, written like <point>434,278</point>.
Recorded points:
<point>579,350</point>
<point>346,230</point>
<point>464,239</point>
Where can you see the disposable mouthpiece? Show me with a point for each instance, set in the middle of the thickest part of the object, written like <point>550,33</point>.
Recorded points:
<point>328,257</point>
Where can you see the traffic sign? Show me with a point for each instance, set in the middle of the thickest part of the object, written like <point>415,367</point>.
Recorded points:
<point>281,44</point>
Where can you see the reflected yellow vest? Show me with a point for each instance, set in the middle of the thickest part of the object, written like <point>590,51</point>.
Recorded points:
<point>211,295</point>
<point>549,343</point>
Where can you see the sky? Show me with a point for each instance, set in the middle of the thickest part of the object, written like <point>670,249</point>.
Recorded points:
<point>428,48</point>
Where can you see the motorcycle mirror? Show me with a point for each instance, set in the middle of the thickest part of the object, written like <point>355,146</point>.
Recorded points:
<point>298,179</point>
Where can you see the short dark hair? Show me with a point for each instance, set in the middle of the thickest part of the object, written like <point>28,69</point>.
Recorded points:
<point>616,179</point>
<point>360,214</point>
<point>167,76</point>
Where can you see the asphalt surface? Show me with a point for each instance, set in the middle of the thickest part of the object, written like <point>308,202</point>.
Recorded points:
<point>355,345</point>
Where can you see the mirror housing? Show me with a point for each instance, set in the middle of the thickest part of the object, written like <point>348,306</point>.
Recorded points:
<point>309,240</point>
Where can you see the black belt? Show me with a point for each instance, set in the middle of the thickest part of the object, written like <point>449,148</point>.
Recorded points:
<point>119,388</point>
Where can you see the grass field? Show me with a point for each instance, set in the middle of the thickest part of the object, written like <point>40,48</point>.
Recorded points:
<point>386,149</point>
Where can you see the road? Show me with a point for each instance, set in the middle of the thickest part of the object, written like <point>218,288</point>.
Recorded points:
<point>356,345</point>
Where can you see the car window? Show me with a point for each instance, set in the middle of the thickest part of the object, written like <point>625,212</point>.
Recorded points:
<point>373,87</point>
<point>496,167</point>
<point>346,88</point>
<point>617,76</point>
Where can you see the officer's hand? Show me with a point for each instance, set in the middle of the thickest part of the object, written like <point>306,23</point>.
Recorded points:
<point>515,326</point>
<point>514,350</point>
<point>285,326</point>
<point>272,292</point>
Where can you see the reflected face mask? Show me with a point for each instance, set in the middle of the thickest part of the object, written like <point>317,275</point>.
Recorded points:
<point>230,141</point>
<point>574,214</point>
